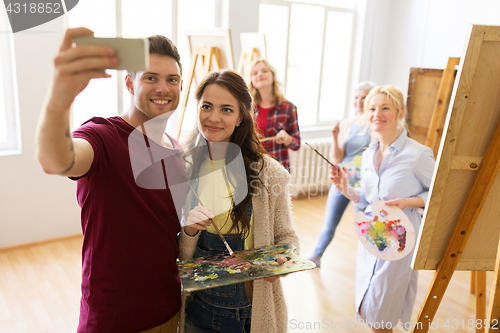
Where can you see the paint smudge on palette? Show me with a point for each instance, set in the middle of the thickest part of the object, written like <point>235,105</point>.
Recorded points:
<point>383,234</point>
<point>216,271</point>
<point>389,235</point>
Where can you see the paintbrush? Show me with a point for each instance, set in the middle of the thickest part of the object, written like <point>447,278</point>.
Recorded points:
<point>269,138</point>
<point>323,157</point>
<point>213,223</point>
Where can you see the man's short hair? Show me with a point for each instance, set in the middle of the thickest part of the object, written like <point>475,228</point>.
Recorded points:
<point>162,46</point>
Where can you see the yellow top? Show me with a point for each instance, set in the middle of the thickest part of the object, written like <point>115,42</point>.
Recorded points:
<point>215,193</point>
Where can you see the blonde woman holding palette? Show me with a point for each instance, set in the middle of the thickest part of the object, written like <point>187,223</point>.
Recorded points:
<point>246,194</point>
<point>397,170</point>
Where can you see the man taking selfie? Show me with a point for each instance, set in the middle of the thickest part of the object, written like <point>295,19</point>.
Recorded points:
<point>130,281</point>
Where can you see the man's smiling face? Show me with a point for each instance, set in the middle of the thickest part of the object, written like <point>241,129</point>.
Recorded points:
<point>157,90</point>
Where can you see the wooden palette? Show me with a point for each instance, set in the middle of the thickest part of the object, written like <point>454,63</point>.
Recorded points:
<point>388,234</point>
<point>221,270</point>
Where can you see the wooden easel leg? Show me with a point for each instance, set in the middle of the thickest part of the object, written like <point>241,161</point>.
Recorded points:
<point>208,63</point>
<point>241,63</point>
<point>206,53</point>
<point>473,282</point>
<point>217,59</point>
<point>480,299</point>
<point>494,306</point>
<point>439,114</point>
<point>185,97</point>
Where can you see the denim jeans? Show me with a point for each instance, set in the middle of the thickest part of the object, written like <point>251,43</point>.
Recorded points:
<point>201,318</point>
<point>220,309</point>
<point>336,205</point>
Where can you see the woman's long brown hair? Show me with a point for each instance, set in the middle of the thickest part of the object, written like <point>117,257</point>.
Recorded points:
<point>244,137</point>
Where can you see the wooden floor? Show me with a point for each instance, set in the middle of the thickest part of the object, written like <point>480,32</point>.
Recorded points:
<point>40,284</point>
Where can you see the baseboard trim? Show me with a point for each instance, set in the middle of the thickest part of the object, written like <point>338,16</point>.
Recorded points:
<point>45,241</point>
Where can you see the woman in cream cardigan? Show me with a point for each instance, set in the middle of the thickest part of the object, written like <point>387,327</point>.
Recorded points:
<point>246,193</point>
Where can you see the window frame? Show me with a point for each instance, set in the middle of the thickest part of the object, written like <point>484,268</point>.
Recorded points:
<point>327,10</point>
<point>122,107</point>
<point>9,86</point>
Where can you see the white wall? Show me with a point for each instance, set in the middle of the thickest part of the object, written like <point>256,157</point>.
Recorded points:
<point>34,206</point>
<point>420,33</point>
<point>239,16</point>
<point>399,34</point>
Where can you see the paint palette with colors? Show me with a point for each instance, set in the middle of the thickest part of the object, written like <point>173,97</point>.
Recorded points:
<point>388,234</point>
<point>216,271</point>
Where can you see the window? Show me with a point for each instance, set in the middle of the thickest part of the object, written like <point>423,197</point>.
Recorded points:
<point>126,18</point>
<point>203,17</point>
<point>10,132</point>
<point>310,44</point>
<point>141,19</point>
<point>134,19</point>
<point>100,98</point>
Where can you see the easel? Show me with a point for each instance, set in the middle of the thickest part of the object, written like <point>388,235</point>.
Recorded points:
<point>475,115</point>
<point>247,56</point>
<point>206,53</point>
<point>478,278</point>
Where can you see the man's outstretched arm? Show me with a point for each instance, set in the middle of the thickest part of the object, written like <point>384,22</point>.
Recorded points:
<point>74,67</point>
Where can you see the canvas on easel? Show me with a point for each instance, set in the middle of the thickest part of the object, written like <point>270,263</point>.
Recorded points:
<point>460,229</point>
<point>421,92</point>
<point>211,50</point>
<point>423,87</point>
<point>219,38</point>
<point>434,135</point>
<point>253,46</point>
<point>429,93</point>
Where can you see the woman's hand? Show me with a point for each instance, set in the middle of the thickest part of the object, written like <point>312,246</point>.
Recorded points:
<point>339,178</point>
<point>336,131</point>
<point>198,219</point>
<point>403,203</point>
<point>271,279</point>
<point>283,138</point>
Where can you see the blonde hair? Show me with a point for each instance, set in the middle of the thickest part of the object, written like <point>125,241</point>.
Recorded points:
<point>393,94</point>
<point>276,83</point>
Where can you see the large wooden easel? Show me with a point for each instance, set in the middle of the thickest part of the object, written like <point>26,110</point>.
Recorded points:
<point>434,134</point>
<point>461,228</point>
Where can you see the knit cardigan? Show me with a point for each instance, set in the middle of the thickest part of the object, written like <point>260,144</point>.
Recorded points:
<point>272,225</point>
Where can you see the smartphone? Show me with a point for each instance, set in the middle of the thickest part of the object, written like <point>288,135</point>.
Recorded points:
<point>132,53</point>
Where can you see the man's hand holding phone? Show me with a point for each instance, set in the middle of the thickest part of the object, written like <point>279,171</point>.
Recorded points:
<point>74,67</point>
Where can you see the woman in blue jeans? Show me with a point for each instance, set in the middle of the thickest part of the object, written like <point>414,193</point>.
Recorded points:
<point>345,150</point>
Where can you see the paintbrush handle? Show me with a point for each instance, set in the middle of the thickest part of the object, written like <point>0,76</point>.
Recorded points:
<point>269,138</point>
<point>317,152</point>
<point>221,236</point>
<point>213,223</point>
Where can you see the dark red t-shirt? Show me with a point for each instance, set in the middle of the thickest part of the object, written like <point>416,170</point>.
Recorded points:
<point>130,280</point>
<point>261,123</point>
